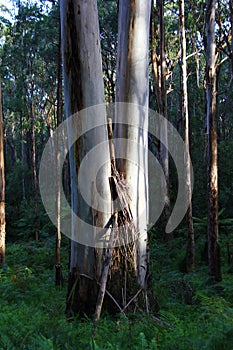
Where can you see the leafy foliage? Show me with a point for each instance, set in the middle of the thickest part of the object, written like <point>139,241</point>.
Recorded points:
<point>32,308</point>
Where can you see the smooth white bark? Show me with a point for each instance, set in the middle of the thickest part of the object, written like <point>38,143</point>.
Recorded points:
<point>83,85</point>
<point>133,88</point>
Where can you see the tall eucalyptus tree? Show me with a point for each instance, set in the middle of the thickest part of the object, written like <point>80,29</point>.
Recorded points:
<point>83,85</point>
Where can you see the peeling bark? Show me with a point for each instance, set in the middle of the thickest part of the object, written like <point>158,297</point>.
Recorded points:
<point>83,84</point>
<point>133,87</point>
<point>117,277</point>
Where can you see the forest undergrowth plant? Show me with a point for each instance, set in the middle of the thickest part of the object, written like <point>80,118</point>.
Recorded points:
<point>32,309</point>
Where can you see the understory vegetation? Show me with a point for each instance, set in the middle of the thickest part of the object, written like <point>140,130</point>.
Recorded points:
<point>194,313</point>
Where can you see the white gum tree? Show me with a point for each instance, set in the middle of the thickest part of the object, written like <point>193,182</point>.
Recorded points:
<point>125,266</point>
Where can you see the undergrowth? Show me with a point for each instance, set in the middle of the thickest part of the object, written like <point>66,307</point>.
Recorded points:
<point>194,314</point>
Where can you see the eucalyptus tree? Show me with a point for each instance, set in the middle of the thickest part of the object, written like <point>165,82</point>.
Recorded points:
<point>133,88</point>
<point>83,87</point>
<point>124,267</point>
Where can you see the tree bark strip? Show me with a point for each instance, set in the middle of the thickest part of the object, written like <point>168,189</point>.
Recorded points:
<point>58,277</point>
<point>2,189</point>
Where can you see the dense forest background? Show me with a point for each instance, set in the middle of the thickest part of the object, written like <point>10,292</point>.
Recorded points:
<point>192,311</point>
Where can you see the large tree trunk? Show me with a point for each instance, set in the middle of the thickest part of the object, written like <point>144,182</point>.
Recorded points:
<point>120,271</point>
<point>211,98</point>
<point>2,188</point>
<point>133,88</point>
<point>190,251</point>
<point>83,84</point>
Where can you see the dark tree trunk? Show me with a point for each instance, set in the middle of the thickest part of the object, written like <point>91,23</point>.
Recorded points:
<point>160,71</point>
<point>211,102</point>
<point>23,157</point>
<point>34,170</point>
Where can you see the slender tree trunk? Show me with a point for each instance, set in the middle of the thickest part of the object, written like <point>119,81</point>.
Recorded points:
<point>211,101</point>
<point>34,171</point>
<point>83,84</point>
<point>23,156</point>
<point>58,280</point>
<point>190,251</point>
<point>194,43</point>
<point>2,189</point>
<point>160,71</point>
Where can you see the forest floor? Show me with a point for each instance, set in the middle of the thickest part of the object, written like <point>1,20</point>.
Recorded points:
<point>194,313</point>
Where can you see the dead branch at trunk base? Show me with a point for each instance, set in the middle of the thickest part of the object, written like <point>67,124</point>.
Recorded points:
<point>119,188</point>
<point>135,296</point>
<point>108,293</point>
<point>123,230</point>
<point>104,276</point>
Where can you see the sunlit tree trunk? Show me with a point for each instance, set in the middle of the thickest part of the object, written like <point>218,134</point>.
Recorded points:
<point>133,87</point>
<point>190,251</point>
<point>2,188</point>
<point>58,279</point>
<point>211,101</point>
<point>83,87</point>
